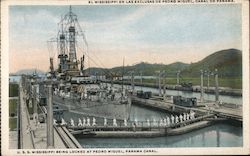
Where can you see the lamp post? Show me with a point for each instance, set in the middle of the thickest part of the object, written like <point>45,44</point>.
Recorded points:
<point>201,88</point>
<point>216,85</point>
<point>50,128</point>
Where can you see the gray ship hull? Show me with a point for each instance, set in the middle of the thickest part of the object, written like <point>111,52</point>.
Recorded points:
<point>107,109</point>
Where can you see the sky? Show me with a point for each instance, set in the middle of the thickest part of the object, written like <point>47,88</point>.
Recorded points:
<point>154,34</point>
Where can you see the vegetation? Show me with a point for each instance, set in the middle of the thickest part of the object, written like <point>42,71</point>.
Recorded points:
<point>228,63</point>
<point>13,107</point>
<point>13,90</point>
<point>12,114</point>
<point>232,82</point>
<point>12,123</point>
<point>147,69</point>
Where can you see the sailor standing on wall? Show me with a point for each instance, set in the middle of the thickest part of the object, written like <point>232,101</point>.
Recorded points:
<point>105,122</point>
<point>134,126</point>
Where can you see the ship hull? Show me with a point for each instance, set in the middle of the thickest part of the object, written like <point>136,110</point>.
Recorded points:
<point>105,109</point>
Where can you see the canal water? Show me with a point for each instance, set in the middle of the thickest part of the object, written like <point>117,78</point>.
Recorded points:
<point>210,97</point>
<point>218,135</point>
<point>223,98</point>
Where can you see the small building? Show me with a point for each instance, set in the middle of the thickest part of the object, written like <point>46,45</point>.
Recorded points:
<point>183,101</point>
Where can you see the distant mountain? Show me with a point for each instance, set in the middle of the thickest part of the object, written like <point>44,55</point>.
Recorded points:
<point>147,69</point>
<point>228,62</point>
<point>29,72</point>
<point>144,67</point>
<point>172,69</point>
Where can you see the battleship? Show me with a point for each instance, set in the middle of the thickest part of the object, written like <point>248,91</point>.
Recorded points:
<point>73,87</point>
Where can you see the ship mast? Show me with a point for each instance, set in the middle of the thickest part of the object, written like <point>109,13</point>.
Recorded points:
<point>62,51</point>
<point>69,30</point>
<point>72,62</point>
<point>72,37</point>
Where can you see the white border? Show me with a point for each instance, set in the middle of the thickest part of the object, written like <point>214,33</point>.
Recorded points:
<point>165,151</point>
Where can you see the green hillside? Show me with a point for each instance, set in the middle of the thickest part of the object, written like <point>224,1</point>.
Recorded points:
<point>147,69</point>
<point>228,62</point>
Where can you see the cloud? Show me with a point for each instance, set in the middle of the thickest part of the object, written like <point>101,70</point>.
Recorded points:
<point>156,34</point>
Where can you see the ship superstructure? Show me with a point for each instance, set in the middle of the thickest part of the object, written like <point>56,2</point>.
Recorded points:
<point>69,31</point>
<point>69,91</point>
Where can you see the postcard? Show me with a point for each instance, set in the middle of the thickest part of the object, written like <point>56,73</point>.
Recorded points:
<point>125,77</point>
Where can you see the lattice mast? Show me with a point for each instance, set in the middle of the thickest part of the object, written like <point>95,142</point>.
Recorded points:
<point>62,52</point>
<point>69,30</point>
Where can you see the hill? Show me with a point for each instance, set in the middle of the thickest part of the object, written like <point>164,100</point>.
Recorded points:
<point>147,69</point>
<point>228,62</point>
<point>29,72</point>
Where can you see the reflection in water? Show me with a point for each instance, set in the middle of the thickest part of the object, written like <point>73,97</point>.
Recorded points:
<point>219,135</point>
